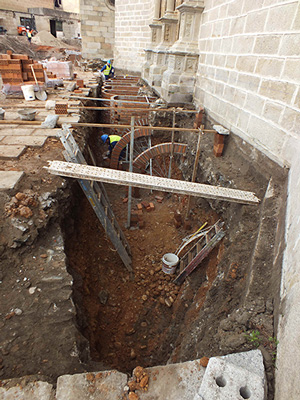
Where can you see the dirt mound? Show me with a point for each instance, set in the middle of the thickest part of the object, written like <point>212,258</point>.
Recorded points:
<point>18,45</point>
<point>45,38</point>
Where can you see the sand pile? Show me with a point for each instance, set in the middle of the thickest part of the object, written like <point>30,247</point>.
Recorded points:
<point>18,45</point>
<point>44,38</point>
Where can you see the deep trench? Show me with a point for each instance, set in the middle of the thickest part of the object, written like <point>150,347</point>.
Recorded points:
<point>232,293</point>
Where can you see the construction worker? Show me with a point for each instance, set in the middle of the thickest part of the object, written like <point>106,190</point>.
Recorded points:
<point>112,140</point>
<point>108,70</point>
<point>29,34</point>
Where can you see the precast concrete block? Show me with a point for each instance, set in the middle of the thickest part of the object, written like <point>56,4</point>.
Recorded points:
<point>234,377</point>
<point>108,385</point>
<point>36,390</point>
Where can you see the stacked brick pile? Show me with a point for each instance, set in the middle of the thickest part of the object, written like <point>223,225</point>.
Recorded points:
<point>16,69</point>
<point>62,69</point>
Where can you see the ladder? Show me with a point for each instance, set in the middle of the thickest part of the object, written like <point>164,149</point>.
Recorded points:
<point>97,197</point>
<point>199,250</point>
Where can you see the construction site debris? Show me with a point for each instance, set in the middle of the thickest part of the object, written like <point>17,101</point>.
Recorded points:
<point>71,86</point>
<point>94,65</point>
<point>16,44</point>
<point>204,361</point>
<point>50,104</point>
<point>45,38</point>
<point>60,69</point>
<point>50,122</point>
<point>20,204</point>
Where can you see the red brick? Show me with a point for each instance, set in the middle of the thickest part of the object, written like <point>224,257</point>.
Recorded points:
<point>218,150</point>
<point>151,206</point>
<point>145,204</point>
<point>125,200</point>
<point>139,206</point>
<point>159,198</point>
<point>219,139</point>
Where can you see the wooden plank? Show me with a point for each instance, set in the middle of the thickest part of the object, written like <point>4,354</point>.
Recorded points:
<point>149,182</point>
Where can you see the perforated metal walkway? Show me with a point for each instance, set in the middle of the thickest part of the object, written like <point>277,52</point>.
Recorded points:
<point>150,182</point>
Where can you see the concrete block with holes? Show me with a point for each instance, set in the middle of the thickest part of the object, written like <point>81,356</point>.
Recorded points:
<point>234,377</point>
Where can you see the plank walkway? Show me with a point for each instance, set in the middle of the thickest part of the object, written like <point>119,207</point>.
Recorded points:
<point>150,182</point>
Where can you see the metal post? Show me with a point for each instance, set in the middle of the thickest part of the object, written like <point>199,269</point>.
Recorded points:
<point>195,167</point>
<point>172,148</point>
<point>130,170</point>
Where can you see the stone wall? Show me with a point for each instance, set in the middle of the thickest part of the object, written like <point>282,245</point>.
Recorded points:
<point>71,6</point>
<point>132,33</point>
<point>248,80</point>
<point>288,354</point>
<point>249,71</point>
<point>19,5</point>
<point>97,29</point>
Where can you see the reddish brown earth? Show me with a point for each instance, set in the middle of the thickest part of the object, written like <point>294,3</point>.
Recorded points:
<point>127,330</point>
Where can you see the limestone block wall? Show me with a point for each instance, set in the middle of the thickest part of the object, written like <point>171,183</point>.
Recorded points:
<point>71,6</point>
<point>248,79</point>
<point>133,33</point>
<point>20,5</point>
<point>10,20</point>
<point>97,29</point>
<point>249,71</point>
<point>288,353</point>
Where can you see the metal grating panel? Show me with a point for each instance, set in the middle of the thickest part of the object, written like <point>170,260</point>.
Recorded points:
<point>150,182</point>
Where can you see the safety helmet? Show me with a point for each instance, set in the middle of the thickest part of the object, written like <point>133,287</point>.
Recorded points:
<point>108,61</point>
<point>104,138</point>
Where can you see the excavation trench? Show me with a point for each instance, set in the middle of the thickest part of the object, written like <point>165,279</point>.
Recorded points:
<point>149,320</point>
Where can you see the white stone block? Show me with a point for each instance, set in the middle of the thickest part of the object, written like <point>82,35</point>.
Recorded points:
<point>232,377</point>
<point>267,44</point>
<point>32,391</point>
<point>108,385</point>
<point>281,16</point>
<point>267,135</point>
<point>273,111</point>
<point>290,45</point>
<point>278,90</point>
<point>256,21</point>
<point>292,69</point>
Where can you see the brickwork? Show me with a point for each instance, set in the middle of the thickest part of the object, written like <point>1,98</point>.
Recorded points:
<point>158,150</point>
<point>124,142</point>
<point>97,29</point>
<point>248,73</point>
<point>133,34</point>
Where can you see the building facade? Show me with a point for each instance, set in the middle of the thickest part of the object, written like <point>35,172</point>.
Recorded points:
<point>56,16</point>
<point>97,28</point>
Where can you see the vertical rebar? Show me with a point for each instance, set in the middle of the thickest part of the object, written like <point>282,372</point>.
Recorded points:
<point>195,167</point>
<point>130,170</point>
<point>172,147</point>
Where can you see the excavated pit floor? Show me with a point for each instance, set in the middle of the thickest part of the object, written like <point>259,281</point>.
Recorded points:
<point>127,320</point>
